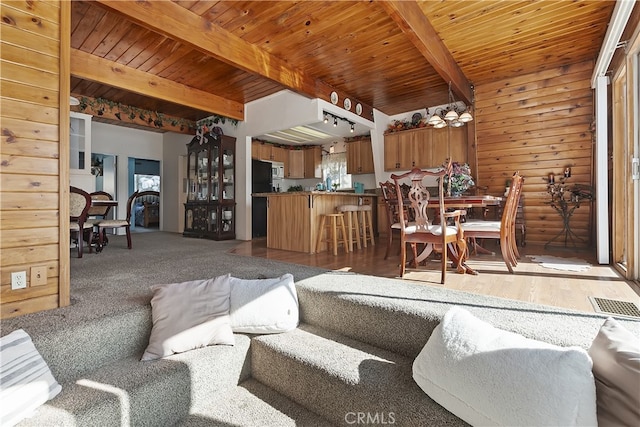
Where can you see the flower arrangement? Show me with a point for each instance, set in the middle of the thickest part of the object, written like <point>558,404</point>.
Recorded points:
<point>459,180</point>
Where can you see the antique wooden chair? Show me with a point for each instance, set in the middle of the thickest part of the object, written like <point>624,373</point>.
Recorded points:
<point>503,230</point>
<point>79,204</point>
<point>99,213</point>
<point>441,237</point>
<point>390,197</point>
<point>118,223</point>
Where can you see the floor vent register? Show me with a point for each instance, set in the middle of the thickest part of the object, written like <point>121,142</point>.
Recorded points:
<point>611,306</point>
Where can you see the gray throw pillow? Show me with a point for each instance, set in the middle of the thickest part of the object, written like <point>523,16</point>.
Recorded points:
<point>616,367</point>
<point>189,315</point>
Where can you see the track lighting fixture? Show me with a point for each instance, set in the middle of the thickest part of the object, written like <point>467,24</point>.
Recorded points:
<point>327,116</point>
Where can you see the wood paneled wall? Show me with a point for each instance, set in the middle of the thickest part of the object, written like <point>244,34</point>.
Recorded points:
<point>32,81</point>
<point>538,124</point>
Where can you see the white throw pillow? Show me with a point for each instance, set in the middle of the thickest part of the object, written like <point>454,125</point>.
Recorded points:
<point>25,379</point>
<point>488,376</point>
<point>616,366</point>
<point>189,315</point>
<point>264,306</point>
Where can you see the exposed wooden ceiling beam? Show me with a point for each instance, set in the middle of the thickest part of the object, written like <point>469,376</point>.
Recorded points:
<point>91,67</point>
<point>176,22</point>
<point>415,25</point>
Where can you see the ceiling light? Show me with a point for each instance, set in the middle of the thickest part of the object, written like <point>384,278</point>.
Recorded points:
<point>74,101</point>
<point>326,119</point>
<point>353,127</point>
<point>453,113</point>
<point>465,117</point>
<point>435,119</point>
<point>335,122</point>
<point>451,116</point>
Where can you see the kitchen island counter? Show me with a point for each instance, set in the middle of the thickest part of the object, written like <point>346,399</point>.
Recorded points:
<point>293,217</point>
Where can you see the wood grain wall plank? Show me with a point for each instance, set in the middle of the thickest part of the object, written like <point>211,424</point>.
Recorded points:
<point>26,218</point>
<point>37,78</point>
<point>14,238</point>
<point>29,93</point>
<point>538,124</point>
<point>27,306</point>
<point>16,109</point>
<point>15,128</point>
<point>28,255</point>
<point>29,183</point>
<point>30,22</point>
<point>34,201</point>
<point>30,41</point>
<point>36,60</point>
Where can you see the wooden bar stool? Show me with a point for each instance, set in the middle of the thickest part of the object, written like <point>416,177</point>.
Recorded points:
<point>333,227</point>
<point>353,226</point>
<point>366,222</point>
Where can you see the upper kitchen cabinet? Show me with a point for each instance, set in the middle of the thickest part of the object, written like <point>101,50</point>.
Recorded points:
<point>269,152</point>
<point>424,148</point>
<point>80,152</point>
<point>313,162</point>
<point>296,164</point>
<point>447,143</point>
<point>360,156</point>
<point>406,150</point>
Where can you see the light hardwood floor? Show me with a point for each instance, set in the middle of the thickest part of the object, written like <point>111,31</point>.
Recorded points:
<point>531,282</point>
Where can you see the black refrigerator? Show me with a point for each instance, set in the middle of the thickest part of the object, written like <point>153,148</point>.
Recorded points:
<point>261,182</point>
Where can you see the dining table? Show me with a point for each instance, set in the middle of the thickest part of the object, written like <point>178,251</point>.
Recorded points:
<point>459,202</point>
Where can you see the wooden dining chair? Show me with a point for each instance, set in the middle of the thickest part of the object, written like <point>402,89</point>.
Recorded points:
<point>390,197</point>
<point>118,223</point>
<point>421,230</point>
<point>79,204</point>
<point>99,213</point>
<point>505,229</point>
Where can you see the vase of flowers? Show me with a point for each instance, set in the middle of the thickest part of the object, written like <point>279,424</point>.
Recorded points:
<point>459,180</point>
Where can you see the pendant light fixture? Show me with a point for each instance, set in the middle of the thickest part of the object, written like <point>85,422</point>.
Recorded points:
<point>450,115</point>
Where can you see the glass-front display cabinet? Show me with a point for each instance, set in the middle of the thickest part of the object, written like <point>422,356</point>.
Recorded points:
<point>211,205</point>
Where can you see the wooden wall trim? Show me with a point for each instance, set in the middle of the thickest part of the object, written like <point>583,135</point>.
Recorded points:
<point>64,269</point>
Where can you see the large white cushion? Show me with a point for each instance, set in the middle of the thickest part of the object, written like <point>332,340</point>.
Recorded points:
<point>616,366</point>
<point>264,306</point>
<point>25,379</point>
<point>189,315</point>
<point>488,376</point>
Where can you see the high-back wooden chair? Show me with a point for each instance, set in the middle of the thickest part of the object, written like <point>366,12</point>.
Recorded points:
<point>118,223</point>
<point>99,213</point>
<point>421,230</point>
<point>79,205</point>
<point>503,230</point>
<point>390,197</point>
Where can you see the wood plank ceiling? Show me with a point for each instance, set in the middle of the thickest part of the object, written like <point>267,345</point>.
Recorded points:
<point>363,50</point>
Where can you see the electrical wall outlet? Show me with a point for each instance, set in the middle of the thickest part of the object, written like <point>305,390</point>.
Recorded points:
<point>18,280</point>
<point>39,275</point>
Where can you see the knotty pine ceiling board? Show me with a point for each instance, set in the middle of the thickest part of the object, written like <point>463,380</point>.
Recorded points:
<point>486,38</point>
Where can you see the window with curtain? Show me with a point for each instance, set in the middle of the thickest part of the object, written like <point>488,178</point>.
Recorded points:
<point>335,166</point>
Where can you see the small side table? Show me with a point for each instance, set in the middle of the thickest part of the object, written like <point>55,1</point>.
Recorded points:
<point>565,200</point>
